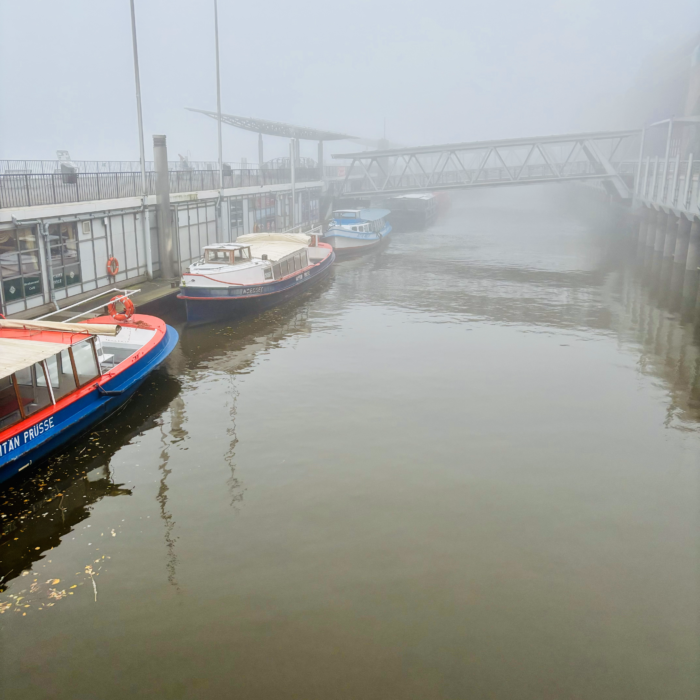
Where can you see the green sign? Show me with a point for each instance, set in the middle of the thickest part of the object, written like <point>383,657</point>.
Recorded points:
<point>32,286</point>
<point>13,289</point>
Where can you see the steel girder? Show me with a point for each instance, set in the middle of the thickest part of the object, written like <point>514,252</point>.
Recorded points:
<point>588,156</point>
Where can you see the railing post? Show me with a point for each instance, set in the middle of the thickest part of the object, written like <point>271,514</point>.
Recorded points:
<point>688,181</point>
<point>672,194</point>
<point>26,185</point>
<point>664,182</point>
<point>639,161</point>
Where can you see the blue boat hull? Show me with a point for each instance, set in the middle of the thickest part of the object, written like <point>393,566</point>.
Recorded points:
<point>30,447</point>
<point>205,305</point>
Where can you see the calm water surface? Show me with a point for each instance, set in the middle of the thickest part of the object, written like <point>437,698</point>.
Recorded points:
<point>465,467</point>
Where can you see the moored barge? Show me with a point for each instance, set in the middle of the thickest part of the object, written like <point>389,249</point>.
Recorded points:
<point>256,272</point>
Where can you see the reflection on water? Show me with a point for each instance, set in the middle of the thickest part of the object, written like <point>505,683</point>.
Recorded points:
<point>39,512</point>
<point>463,466</point>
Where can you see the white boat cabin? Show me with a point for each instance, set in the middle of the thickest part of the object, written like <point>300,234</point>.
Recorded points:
<point>253,259</point>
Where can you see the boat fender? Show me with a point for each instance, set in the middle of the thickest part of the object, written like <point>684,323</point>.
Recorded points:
<point>112,267</point>
<point>128,308</point>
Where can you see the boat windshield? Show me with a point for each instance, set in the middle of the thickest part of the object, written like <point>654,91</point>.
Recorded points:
<point>228,257</point>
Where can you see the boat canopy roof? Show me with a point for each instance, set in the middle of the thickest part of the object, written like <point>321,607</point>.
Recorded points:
<point>17,354</point>
<point>275,250</point>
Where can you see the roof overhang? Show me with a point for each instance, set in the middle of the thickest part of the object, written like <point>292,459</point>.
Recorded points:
<point>265,126</point>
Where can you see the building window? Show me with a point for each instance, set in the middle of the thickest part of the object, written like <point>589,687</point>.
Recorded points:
<point>65,258</point>
<point>19,264</point>
<point>236,209</point>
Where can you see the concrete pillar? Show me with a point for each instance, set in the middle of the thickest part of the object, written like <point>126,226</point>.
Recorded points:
<point>690,276</point>
<point>651,236</point>
<point>293,165</point>
<point>659,240</point>
<point>165,224</point>
<point>261,160</point>
<point>643,225</point>
<point>679,257</point>
<point>668,253</point>
<point>225,219</point>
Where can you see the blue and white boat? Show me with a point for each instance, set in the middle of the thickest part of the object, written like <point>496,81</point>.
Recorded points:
<point>256,272</point>
<point>354,231</point>
<point>57,380</point>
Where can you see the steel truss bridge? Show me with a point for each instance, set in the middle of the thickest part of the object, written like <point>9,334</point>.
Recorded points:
<point>570,157</point>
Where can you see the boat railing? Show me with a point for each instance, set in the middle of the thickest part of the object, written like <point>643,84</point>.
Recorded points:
<point>122,292</point>
<point>305,228</point>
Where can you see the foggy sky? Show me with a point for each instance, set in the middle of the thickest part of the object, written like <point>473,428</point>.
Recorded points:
<point>439,71</point>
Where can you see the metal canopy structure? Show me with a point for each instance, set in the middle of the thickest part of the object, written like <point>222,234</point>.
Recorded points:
<point>270,128</point>
<point>489,163</point>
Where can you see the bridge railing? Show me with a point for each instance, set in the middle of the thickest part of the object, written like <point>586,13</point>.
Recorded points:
<point>30,189</point>
<point>51,167</point>
<point>674,183</point>
<point>379,182</point>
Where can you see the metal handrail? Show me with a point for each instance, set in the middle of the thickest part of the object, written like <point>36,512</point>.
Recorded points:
<point>124,292</point>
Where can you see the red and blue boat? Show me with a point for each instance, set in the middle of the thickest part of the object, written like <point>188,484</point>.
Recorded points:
<point>57,380</point>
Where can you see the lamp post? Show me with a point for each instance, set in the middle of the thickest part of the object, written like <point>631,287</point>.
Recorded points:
<point>218,95</point>
<point>142,151</point>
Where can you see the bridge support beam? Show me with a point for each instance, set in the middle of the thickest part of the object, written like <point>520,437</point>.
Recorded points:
<point>690,277</point>
<point>680,254</point>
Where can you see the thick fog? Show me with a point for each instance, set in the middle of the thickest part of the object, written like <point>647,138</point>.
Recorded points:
<point>432,72</point>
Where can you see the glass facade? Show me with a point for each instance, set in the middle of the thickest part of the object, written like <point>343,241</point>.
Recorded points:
<point>65,258</point>
<point>20,269</point>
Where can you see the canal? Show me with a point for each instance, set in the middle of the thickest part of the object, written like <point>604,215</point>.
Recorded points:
<point>464,467</point>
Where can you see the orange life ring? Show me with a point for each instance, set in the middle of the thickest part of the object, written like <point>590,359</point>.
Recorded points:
<point>128,308</point>
<point>112,266</point>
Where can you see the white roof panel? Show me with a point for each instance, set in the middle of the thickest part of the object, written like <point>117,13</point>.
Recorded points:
<point>17,354</point>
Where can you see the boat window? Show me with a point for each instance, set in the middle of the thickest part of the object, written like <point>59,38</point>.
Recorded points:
<point>268,273</point>
<point>219,256</point>
<point>299,262</point>
<point>354,228</point>
<point>276,271</point>
<point>61,375</point>
<point>85,362</point>
<point>33,394</point>
<point>9,405</point>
